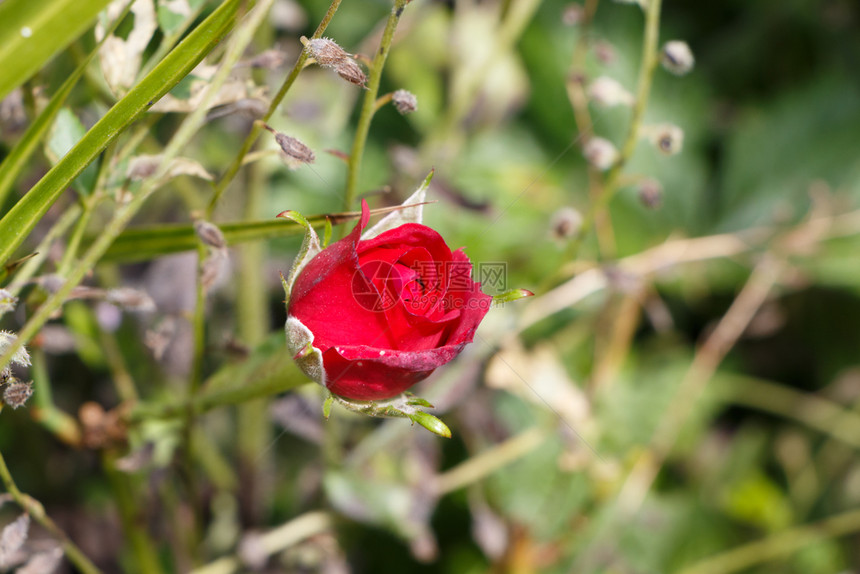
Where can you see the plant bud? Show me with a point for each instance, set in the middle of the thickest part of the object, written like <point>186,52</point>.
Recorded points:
<point>604,52</point>
<point>600,153</point>
<point>572,14</point>
<point>607,92</point>
<point>565,223</point>
<point>668,138</point>
<point>350,71</point>
<point>295,149</point>
<point>210,234</point>
<point>677,57</point>
<point>15,393</point>
<point>326,52</point>
<point>405,101</point>
<point>651,193</point>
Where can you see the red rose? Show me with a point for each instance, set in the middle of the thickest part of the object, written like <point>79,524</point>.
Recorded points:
<point>370,318</point>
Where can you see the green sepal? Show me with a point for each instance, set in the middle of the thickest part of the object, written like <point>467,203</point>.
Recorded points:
<point>327,232</point>
<point>327,403</point>
<point>402,406</point>
<point>310,247</point>
<point>431,423</point>
<point>511,295</point>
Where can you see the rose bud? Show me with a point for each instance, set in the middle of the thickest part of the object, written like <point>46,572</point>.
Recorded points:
<point>370,316</point>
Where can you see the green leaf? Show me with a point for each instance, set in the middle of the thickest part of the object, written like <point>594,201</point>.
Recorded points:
<point>33,31</point>
<point>66,132</point>
<point>146,243</point>
<point>14,163</point>
<point>21,219</point>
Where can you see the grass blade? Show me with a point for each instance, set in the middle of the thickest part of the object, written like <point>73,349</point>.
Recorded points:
<point>21,219</point>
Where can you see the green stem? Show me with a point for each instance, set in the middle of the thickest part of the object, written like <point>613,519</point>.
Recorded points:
<point>369,105</point>
<point>650,59</point>
<point>29,269</point>
<point>76,236</point>
<point>59,423</point>
<point>206,401</point>
<point>253,427</point>
<point>778,546</point>
<point>231,172</point>
<point>35,509</point>
<point>134,526</point>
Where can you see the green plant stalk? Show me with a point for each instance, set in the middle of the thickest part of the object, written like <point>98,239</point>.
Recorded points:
<point>369,105</point>
<point>240,40</point>
<point>58,423</point>
<point>233,169</point>
<point>29,268</point>
<point>28,211</point>
<point>253,427</point>
<point>170,40</point>
<point>207,401</point>
<point>134,526</point>
<point>77,235</point>
<point>780,545</point>
<point>225,16</point>
<point>35,509</point>
<point>650,59</point>
<point>276,540</point>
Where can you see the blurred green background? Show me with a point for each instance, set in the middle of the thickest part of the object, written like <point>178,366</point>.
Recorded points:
<point>771,121</point>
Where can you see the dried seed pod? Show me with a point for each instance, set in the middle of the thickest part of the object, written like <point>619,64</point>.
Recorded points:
<point>326,52</point>
<point>572,14</point>
<point>651,193</point>
<point>16,393</point>
<point>605,52</point>
<point>565,223</point>
<point>350,71</point>
<point>405,101</point>
<point>294,150</point>
<point>210,234</point>
<point>677,57</point>
<point>668,138</point>
<point>600,153</point>
<point>608,92</point>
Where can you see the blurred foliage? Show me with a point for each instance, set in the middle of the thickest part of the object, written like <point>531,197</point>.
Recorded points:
<point>554,418</point>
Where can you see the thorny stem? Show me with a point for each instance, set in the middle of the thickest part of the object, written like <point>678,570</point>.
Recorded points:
<point>369,105</point>
<point>650,59</point>
<point>35,509</point>
<point>231,172</point>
